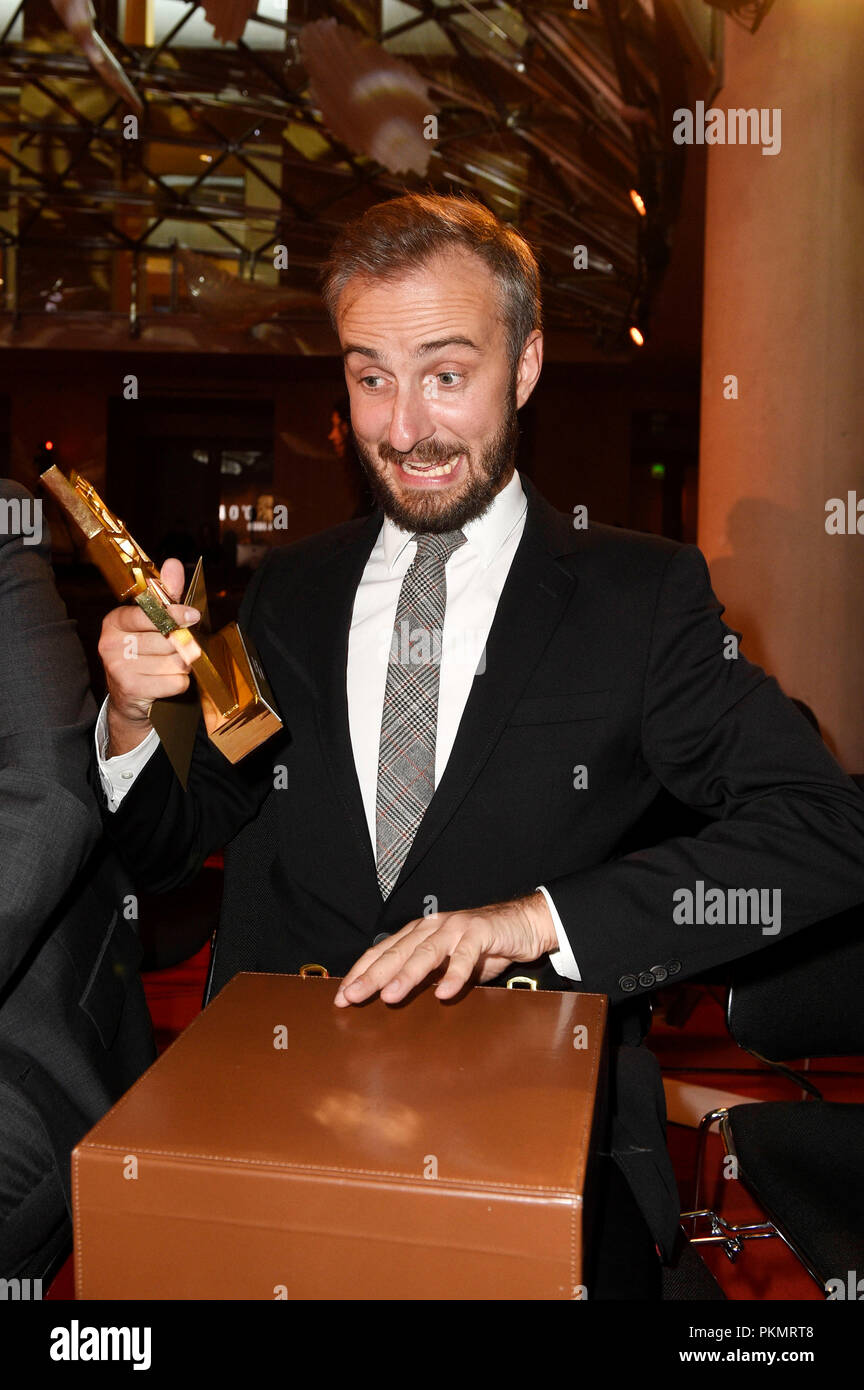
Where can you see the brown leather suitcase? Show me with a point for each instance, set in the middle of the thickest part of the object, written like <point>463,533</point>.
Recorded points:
<point>284,1148</point>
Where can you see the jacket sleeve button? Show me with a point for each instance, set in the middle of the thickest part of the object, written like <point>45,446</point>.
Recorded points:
<point>673,966</point>
<point>627,983</point>
<point>646,980</point>
<point>659,972</point>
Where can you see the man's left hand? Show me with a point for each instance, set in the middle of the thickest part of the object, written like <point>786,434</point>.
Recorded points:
<point>480,944</point>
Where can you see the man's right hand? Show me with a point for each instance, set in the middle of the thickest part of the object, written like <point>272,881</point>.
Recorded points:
<point>141,665</point>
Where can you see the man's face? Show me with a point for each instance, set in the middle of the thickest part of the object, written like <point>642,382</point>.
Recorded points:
<point>433,394</point>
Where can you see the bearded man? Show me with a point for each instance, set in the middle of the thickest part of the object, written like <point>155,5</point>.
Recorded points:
<point>481,705</point>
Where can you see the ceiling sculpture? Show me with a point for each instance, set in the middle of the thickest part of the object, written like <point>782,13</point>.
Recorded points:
<point>158,162</point>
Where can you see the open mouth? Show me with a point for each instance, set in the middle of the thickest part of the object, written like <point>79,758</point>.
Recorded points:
<point>432,472</point>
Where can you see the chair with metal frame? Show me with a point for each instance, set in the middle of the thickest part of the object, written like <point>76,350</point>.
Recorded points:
<point>802,1160</point>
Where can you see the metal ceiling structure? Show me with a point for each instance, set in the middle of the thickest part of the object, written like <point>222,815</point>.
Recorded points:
<point>557,117</point>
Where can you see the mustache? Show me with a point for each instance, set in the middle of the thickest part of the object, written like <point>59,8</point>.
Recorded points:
<point>429,451</point>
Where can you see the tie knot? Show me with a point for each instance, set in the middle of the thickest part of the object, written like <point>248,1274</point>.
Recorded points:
<point>436,546</point>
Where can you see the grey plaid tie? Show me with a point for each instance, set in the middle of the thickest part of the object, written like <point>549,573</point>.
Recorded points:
<point>409,721</point>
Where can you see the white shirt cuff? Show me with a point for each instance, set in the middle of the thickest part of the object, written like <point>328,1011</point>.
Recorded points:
<point>562,960</point>
<point>118,774</point>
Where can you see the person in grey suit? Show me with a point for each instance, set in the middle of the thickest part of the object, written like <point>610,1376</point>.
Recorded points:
<point>74,1027</point>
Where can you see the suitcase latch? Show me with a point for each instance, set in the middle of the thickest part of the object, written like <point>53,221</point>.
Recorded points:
<point>521,982</point>
<point>320,970</point>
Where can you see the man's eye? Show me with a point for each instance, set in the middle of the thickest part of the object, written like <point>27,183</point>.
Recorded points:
<point>370,381</point>
<point>454,377</point>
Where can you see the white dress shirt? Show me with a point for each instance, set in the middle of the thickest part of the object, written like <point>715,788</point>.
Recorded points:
<point>476,573</point>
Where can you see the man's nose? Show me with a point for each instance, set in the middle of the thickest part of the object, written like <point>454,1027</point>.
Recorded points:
<point>410,422</point>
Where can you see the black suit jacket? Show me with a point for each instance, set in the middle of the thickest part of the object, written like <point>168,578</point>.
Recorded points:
<point>74,1026</point>
<point>606,652</point>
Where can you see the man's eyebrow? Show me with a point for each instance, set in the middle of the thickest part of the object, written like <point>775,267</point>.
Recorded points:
<point>456,341</point>
<point>422,351</point>
<point>372,353</point>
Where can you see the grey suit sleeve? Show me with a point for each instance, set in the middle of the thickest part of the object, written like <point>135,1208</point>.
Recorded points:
<point>49,820</point>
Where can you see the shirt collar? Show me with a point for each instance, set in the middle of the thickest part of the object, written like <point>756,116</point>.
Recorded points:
<point>485,535</point>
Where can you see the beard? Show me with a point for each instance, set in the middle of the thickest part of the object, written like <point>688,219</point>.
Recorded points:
<point>433,511</point>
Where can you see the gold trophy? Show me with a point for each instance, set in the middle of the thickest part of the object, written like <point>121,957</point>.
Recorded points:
<point>235,698</point>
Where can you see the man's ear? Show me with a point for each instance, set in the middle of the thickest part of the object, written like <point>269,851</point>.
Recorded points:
<point>530,365</point>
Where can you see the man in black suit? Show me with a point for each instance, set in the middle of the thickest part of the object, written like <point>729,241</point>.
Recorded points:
<point>482,702</point>
<point>74,1026</point>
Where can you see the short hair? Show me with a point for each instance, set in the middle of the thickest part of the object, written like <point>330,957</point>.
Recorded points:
<point>396,236</point>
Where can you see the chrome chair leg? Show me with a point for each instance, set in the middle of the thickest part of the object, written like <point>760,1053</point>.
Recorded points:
<point>705,1124</point>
